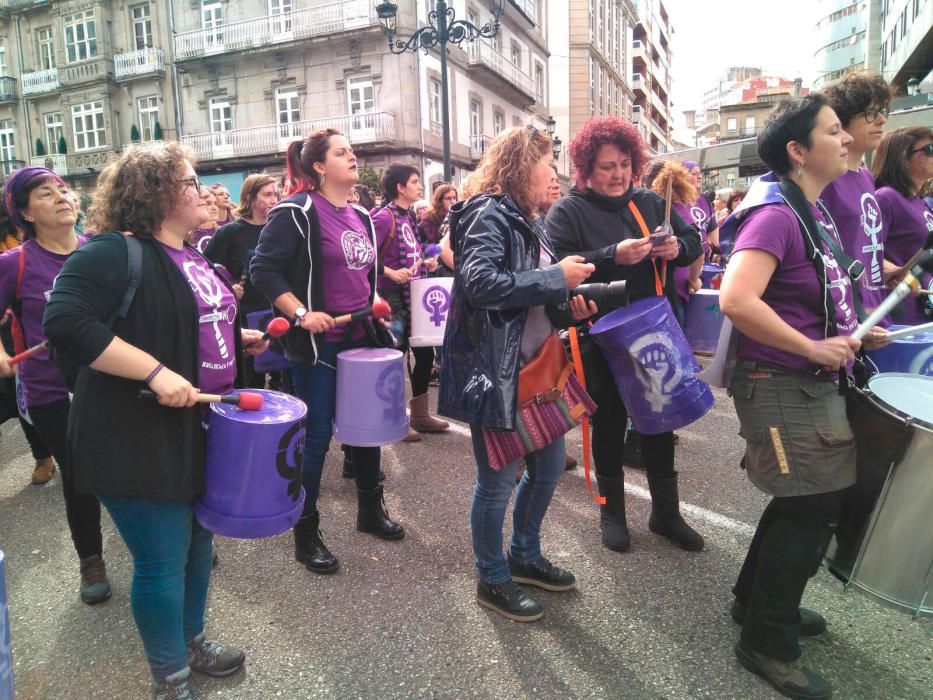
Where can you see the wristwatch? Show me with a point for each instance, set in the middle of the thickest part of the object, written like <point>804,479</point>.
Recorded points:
<point>299,314</point>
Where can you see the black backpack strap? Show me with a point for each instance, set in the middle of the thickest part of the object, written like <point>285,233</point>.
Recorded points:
<point>134,270</point>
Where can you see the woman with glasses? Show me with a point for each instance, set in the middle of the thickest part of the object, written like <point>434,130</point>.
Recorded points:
<point>860,100</point>
<point>903,167</point>
<point>143,459</point>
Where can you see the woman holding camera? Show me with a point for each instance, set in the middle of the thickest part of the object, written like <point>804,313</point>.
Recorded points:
<point>606,220</point>
<point>509,293</point>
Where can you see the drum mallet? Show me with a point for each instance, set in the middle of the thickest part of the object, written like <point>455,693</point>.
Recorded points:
<point>245,400</point>
<point>26,354</point>
<point>911,283</point>
<point>379,309</point>
<point>277,327</point>
<point>432,251</point>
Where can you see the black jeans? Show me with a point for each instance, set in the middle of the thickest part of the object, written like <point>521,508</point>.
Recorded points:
<point>610,420</point>
<point>36,445</point>
<point>786,551</point>
<point>82,510</point>
<point>420,373</point>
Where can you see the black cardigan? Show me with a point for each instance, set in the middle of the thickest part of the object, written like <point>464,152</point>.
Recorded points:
<point>119,445</point>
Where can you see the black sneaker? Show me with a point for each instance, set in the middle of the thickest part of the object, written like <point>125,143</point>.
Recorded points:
<point>812,624</point>
<point>174,687</point>
<point>542,574</point>
<point>212,658</point>
<point>789,678</point>
<point>509,600</point>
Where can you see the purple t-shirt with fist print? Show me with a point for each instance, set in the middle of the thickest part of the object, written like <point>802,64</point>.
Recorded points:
<point>793,291</point>
<point>403,250</point>
<point>217,312</point>
<point>348,256</point>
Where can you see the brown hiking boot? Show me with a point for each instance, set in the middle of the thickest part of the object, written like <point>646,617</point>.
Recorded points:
<point>95,588</point>
<point>42,474</point>
<point>421,418</point>
<point>789,678</point>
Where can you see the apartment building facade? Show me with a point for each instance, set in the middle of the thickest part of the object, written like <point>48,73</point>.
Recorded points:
<point>237,80</point>
<point>651,73</point>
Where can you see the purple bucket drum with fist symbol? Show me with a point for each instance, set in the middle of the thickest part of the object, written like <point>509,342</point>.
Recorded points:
<point>253,469</point>
<point>430,302</point>
<point>370,397</point>
<point>704,321</point>
<point>653,366</point>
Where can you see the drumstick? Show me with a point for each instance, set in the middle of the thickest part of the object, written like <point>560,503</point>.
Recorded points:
<point>26,354</point>
<point>379,309</point>
<point>245,401</point>
<point>667,223</point>
<point>911,283</point>
<point>276,329</point>
<point>928,292</point>
<point>910,330</point>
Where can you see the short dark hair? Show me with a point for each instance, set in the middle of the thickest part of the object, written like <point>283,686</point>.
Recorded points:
<point>791,120</point>
<point>395,175</point>
<point>855,92</point>
<point>367,201</point>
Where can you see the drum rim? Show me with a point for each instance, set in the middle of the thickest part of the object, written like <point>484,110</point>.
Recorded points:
<point>892,410</point>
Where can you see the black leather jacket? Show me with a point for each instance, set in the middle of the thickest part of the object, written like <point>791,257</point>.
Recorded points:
<point>498,276</point>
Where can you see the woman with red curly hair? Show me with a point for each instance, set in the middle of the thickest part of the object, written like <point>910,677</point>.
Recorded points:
<point>598,220</point>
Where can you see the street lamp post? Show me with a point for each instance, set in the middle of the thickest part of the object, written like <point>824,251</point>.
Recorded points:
<point>443,28</point>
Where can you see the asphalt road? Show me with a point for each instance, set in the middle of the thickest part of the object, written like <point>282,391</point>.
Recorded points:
<point>400,620</point>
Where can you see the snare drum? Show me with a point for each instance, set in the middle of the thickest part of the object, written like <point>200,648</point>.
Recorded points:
<point>884,545</point>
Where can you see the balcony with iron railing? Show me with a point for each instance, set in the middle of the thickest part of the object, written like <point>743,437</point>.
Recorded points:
<point>7,88</point>
<point>478,145</point>
<point>145,62</point>
<point>494,68</point>
<point>40,81</point>
<point>53,161</point>
<point>272,30</point>
<point>360,130</point>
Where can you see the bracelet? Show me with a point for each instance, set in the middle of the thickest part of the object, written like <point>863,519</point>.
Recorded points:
<point>152,375</point>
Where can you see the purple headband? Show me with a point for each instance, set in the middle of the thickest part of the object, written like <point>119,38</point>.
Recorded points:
<point>690,164</point>
<point>19,182</point>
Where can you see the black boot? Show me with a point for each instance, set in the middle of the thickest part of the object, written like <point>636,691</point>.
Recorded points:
<point>612,514</point>
<point>348,471</point>
<point>665,515</point>
<point>372,517</point>
<point>310,549</point>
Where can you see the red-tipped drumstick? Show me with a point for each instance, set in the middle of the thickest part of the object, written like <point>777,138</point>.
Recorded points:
<point>276,329</point>
<point>245,400</point>
<point>379,309</point>
<point>26,354</point>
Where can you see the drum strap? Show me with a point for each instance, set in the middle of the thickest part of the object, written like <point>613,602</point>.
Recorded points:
<point>658,284</point>
<point>585,426</point>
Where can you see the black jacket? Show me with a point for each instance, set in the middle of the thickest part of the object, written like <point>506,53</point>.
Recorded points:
<point>233,246</point>
<point>288,259</point>
<point>497,254</point>
<point>588,224</point>
<point>119,445</point>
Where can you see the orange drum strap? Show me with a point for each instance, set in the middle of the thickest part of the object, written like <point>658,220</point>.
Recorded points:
<point>658,280</point>
<point>578,365</point>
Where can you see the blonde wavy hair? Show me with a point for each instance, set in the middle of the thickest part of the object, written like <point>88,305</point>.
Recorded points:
<point>506,166</point>
<point>683,191</point>
<point>139,189</point>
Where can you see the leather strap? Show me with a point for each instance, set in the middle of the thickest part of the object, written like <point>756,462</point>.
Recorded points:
<point>585,426</point>
<point>659,280</point>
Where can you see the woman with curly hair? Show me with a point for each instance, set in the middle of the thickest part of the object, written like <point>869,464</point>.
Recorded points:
<point>599,220</point>
<point>431,229</point>
<point>509,294</point>
<point>37,202</point>
<point>176,335</point>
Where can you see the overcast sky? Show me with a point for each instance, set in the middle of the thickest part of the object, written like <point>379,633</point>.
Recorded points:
<point>712,35</point>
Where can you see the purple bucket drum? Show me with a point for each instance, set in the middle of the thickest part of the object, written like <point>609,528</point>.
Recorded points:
<point>370,397</point>
<point>703,321</point>
<point>653,366</point>
<point>711,276</point>
<point>910,354</point>
<point>6,653</point>
<point>430,302</point>
<point>253,470</point>
<point>272,360</point>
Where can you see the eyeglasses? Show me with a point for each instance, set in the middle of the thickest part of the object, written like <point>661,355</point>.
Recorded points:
<point>191,182</point>
<point>927,149</point>
<point>872,113</point>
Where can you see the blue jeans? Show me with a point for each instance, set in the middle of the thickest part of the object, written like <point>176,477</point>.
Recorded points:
<point>172,556</point>
<point>316,385</point>
<point>491,497</point>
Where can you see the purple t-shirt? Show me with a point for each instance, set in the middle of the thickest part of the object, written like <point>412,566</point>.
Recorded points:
<point>42,382</point>
<point>348,256</point>
<point>201,237</point>
<point>404,249</point>
<point>793,291</point>
<point>702,218</point>
<point>217,312</point>
<point>851,202</point>
<point>910,223</point>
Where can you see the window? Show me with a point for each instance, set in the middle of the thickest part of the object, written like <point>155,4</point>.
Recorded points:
<point>212,19</point>
<point>602,101</point>
<point>281,13</point>
<point>221,121</point>
<point>904,23</point>
<point>539,82</point>
<point>600,23</point>
<point>288,112</point>
<point>53,130</point>
<point>732,124</point>
<point>516,55</point>
<point>80,36</point>
<point>592,87</point>
<point>46,48</point>
<point>7,146</point>
<point>2,60</point>
<point>498,123</point>
<point>148,116</point>
<point>361,94</point>
<point>434,100</point>
<point>749,125</point>
<point>476,118</point>
<point>88,121</point>
<point>142,27</point>
<point>592,20</point>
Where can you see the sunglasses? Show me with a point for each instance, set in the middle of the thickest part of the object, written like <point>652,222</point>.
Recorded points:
<point>927,149</point>
<point>872,113</point>
<point>191,182</point>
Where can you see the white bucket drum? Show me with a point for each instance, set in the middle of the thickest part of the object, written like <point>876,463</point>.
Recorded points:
<point>430,303</point>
